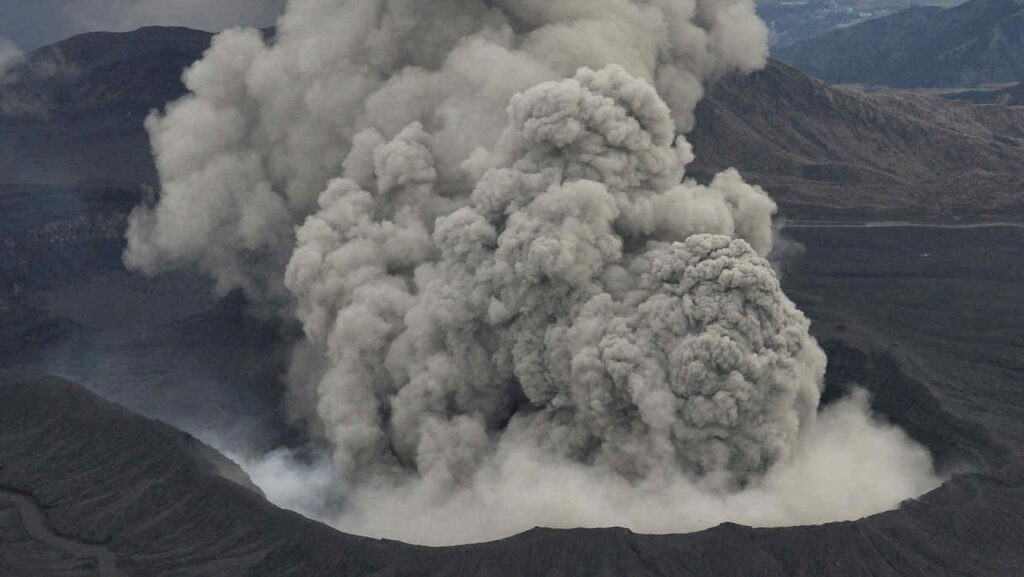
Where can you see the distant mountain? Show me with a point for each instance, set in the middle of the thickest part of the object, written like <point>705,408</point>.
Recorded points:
<point>820,149</point>
<point>101,73</point>
<point>977,42</point>
<point>790,22</point>
<point>74,110</point>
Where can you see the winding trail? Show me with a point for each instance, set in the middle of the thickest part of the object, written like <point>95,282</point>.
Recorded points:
<point>34,521</point>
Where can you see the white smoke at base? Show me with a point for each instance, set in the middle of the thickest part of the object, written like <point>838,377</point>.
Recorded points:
<point>510,293</point>
<point>846,466</point>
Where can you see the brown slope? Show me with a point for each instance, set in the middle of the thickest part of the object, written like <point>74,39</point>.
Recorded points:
<point>821,149</point>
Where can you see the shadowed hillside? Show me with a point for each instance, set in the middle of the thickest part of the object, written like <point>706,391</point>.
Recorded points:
<point>101,73</point>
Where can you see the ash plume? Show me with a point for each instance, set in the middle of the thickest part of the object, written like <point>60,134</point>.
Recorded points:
<point>585,300</point>
<point>479,214</point>
<point>244,158</point>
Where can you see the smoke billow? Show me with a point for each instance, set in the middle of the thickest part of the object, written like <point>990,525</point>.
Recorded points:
<point>512,296</point>
<point>9,54</point>
<point>247,154</point>
<point>845,466</point>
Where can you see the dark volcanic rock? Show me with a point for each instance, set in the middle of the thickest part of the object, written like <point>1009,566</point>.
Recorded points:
<point>900,308</point>
<point>149,496</point>
<point>977,42</point>
<point>819,149</point>
<point>953,442</point>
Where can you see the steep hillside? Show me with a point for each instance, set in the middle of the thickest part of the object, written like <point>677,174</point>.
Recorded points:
<point>100,73</point>
<point>164,347</point>
<point>824,150</point>
<point>74,110</point>
<point>977,42</point>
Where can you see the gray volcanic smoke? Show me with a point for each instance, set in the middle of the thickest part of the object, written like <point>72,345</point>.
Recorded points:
<point>576,303</point>
<point>478,212</point>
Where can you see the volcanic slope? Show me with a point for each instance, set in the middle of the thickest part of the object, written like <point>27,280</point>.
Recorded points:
<point>980,41</point>
<point>827,151</point>
<point>164,347</point>
<point>74,110</point>
<point>85,485</point>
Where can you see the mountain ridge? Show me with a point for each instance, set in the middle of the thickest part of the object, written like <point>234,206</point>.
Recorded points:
<point>824,150</point>
<point>978,42</point>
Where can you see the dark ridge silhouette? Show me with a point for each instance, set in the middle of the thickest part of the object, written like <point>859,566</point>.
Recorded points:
<point>74,111</point>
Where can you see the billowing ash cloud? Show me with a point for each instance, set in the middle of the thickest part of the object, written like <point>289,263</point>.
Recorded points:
<point>478,211</point>
<point>246,156</point>
<point>583,300</point>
